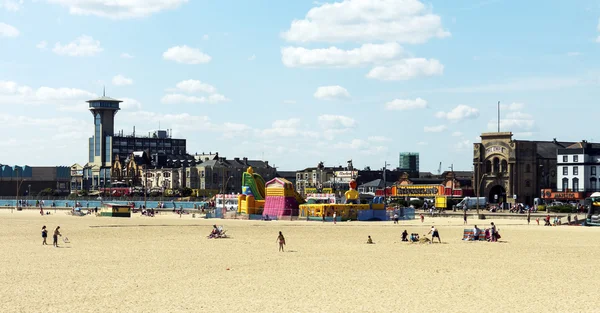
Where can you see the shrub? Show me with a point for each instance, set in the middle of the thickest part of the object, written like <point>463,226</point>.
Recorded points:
<point>541,208</point>
<point>562,209</point>
<point>46,192</point>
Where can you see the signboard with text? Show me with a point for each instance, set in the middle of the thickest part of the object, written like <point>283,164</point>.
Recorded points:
<point>418,190</point>
<point>557,195</point>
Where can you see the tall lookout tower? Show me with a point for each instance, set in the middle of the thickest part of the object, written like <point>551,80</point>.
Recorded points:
<point>104,110</point>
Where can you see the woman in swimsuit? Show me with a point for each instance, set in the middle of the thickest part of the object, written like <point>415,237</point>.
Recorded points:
<point>44,235</point>
<point>281,241</point>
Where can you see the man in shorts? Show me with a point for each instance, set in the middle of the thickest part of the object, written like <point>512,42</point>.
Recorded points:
<point>434,234</point>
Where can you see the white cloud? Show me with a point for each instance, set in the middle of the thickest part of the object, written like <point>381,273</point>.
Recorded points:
<point>82,46</point>
<point>520,123</point>
<point>331,93</point>
<point>407,21</point>
<point>252,58</point>
<point>457,134</point>
<point>459,113</point>
<point>598,28</point>
<point>130,104</point>
<point>408,68</point>
<point>205,37</point>
<point>179,98</point>
<point>515,106</point>
<point>464,144</point>
<point>11,5</point>
<point>378,139</point>
<point>521,84</point>
<point>192,86</point>
<point>408,104</point>
<point>435,129</point>
<point>42,45</point>
<point>125,55</point>
<point>121,80</point>
<point>287,128</point>
<point>186,55</point>
<point>328,121</point>
<point>8,30</point>
<point>118,9</point>
<point>64,99</point>
<point>335,57</point>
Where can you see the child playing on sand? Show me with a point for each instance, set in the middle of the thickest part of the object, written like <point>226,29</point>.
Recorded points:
<point>55,236</point>
<point>281,241</point>
<point>434,234</point>
<point>370,241</point>
<point>44,235</point>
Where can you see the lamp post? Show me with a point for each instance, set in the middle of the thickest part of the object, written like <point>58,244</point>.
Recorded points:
<point>19,183</point>
<point>385,165</point>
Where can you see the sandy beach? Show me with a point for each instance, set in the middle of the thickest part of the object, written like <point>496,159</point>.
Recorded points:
<point>166,264</point>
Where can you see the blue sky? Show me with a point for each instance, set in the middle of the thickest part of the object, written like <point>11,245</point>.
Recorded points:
<point>298,82</point>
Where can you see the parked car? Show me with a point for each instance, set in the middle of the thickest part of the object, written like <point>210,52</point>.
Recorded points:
<point>556,203</point>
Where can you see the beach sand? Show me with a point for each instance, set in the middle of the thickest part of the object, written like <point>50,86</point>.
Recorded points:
<point>166,264</point>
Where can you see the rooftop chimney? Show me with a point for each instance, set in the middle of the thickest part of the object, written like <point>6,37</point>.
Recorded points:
<point>245,161</point>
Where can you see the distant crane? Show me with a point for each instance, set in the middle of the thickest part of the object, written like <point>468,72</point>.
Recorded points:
<point>440,169</point>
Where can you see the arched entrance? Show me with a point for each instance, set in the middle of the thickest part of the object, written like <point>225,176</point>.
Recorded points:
<point>497,191</point>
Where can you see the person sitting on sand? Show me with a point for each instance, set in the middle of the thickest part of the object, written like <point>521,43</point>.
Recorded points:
<point>215,231</point>
<point>476,232</point>
<point>370,241</point>
<point>55,236</point>
<point>434,234</point>
<point>414,237</point>
<point>281,241</point>
<point>405,236</point>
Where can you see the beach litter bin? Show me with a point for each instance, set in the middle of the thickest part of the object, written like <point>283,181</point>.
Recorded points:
<point>194,215</point>
<point>481,217</point>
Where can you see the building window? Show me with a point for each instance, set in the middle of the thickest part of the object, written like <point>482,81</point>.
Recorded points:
<point>565,170</point>
<point>528,183</point>
<point>593,170</point>
<point>565,158</point>
<point>575,170</point>
<point>496,165</point>
<point>575,158</point>
<point>97,138</point>
<point>528,168</point>
<point>504,166</point>
<point>575,184</point>
<point>565,184</point>
<point>593,184</point>
<point>488,166</point>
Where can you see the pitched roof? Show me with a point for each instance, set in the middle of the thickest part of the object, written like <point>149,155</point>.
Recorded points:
<point>378,183</point>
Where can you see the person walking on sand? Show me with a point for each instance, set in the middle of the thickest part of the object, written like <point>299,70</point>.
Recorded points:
<point>434,234</point>
<point>422,217</point>
<point>465,217</point>
<point>44,235</point>
<point>334,217</point>
<point>55,236</point>
<point>569,219</point>
<point>281,241</point>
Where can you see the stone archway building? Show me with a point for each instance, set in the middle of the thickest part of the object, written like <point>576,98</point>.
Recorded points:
<point>520,168</point>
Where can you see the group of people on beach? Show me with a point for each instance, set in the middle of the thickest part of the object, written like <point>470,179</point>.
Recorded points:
<point>54,236</point>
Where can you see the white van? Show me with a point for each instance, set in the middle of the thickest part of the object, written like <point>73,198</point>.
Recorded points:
<point>469,203</point>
